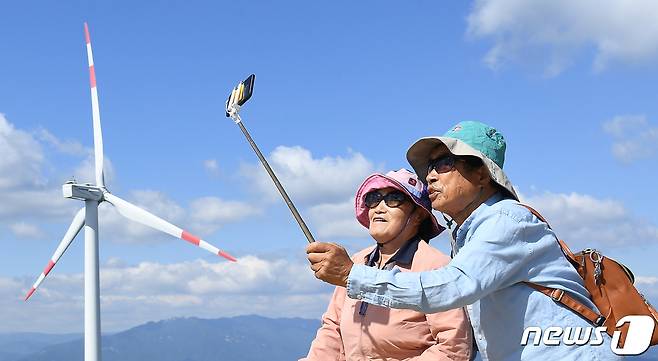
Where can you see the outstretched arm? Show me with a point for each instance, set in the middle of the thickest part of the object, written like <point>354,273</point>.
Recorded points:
<point>501,252</point>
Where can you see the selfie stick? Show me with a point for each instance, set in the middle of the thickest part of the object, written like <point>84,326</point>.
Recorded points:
<point>240,94</point>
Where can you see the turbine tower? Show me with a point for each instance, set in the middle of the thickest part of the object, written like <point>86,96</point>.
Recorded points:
<point>93,195</point>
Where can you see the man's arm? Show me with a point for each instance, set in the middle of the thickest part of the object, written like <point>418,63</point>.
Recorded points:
<point>500,253</point>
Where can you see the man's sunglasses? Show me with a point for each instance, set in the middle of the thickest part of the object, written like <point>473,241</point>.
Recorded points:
<point>447,162</point>
<point>442,164</point>
<point>392,199</point>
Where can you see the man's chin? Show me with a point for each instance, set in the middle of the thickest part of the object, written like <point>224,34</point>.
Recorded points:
<point>437,205</point>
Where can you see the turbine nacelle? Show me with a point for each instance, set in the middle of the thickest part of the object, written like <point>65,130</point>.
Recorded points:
<point>83,192</point>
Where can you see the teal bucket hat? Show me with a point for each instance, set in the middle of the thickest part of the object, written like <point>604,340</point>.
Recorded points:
<point>466,138</point>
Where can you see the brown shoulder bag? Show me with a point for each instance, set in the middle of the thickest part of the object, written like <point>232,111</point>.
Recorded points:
<point>610,285</point>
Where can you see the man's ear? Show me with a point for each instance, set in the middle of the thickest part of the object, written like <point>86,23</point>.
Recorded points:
<point>484,178</point>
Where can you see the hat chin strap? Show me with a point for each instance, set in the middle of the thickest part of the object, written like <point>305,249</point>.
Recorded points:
<point>448,221</point>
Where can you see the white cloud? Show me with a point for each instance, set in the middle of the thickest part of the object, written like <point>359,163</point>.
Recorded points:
<point>85,172</point>
<point>24,230</point>
<point>209,213</point>
<point>634,137</point>
<point>70,147</point>
<point>585,221</point>
<point>43,204</point>
<point>323,187</point>
<point>648,286</point>
<point>335,221</point>
<point>24,190</point>
<point>22,157</point>
<point>310,180</point>
<point>133,294</point>
<point>553,32</point>
<point>646,280</point>
<point>211,166</point>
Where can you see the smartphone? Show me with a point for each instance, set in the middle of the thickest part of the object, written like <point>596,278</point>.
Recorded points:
<point>242,92</point>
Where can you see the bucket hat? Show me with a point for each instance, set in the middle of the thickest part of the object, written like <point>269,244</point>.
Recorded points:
<point>466,138</point>
<point>408,183</point>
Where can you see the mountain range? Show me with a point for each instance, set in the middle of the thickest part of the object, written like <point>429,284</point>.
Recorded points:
<point>182,339</point>
<point>241,338</point>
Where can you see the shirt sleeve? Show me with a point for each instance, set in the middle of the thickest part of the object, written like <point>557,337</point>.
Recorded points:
<point>499,253</point>
<point>328,344</point>
<point>453,335</point>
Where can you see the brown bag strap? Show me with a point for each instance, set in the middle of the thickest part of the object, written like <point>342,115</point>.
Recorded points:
<point>569,302</point>
<point>559,295</point>
<point>565,249</point>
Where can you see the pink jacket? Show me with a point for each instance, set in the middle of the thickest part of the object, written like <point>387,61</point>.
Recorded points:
<point>388,334</point>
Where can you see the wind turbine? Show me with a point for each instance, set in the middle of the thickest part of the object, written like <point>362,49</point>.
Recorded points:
<point>93,195</point>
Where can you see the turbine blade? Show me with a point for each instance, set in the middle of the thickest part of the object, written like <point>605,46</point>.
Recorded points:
<point>95,113</point>
<point>146,218</point>
<point>74,229</point>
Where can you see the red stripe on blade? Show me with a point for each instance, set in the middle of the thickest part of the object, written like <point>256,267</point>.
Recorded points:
<point>227,256</point>
<point>190,238</point>
<point>92,76</point>
<point>50,266</point>
<point>29,294</point>
<point>87,34</point>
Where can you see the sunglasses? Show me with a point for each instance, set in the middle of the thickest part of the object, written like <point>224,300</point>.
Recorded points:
<point>392,199</point>
<point>442,164</point>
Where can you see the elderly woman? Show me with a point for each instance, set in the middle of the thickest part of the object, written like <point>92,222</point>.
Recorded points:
<point>397,212</point>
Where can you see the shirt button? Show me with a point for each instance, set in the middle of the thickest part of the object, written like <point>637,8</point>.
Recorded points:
<point>359,296</point>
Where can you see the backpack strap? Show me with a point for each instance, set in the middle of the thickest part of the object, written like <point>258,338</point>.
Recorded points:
<point>560,296</point>
<point>563,298</point>
<point>565,249</point>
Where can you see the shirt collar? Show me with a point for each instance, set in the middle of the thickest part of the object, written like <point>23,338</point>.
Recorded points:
<point>404,255</point>
<point>497,197</point>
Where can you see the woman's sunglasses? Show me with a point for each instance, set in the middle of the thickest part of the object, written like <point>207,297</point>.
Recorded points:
<point>392,199</point>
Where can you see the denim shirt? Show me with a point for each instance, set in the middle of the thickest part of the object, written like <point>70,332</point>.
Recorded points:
<point>499,245</point>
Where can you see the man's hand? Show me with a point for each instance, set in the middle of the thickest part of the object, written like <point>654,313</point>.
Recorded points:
<point>330,262</point>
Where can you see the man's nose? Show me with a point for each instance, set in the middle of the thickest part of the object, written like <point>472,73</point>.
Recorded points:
<point>431,177</point>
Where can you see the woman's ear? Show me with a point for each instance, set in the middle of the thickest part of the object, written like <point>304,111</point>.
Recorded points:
<point>418,217</point>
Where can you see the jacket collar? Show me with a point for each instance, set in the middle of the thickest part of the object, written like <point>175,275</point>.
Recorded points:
<point>404,255</point>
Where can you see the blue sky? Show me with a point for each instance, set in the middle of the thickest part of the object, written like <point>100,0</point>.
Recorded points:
<point>342,89</point>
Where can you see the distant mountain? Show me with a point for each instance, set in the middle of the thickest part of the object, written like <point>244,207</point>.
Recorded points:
<point>243,338</point>
<point>16,345</point>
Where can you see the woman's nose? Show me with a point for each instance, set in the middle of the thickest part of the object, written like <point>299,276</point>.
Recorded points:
<point>380,207</point>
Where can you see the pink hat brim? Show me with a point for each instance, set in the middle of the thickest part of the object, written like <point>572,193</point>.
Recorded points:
<point>379,181</point>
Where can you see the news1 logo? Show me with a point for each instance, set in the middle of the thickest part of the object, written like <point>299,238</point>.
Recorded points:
<point>638,336</point>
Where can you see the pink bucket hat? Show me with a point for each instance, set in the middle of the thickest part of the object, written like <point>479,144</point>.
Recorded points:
<point>406,182</point>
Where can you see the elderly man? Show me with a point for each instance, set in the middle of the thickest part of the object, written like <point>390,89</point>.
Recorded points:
<point>497,245</point>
